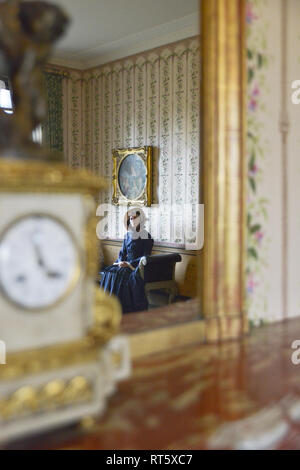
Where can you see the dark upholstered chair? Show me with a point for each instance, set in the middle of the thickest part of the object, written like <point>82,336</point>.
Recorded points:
<point>158,272</point>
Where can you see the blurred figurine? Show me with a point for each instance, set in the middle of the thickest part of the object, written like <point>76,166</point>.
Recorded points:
<point>27,31</point>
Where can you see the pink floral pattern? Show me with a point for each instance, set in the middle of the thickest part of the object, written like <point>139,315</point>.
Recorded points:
<point>250,14</point>
<point>257,206</point>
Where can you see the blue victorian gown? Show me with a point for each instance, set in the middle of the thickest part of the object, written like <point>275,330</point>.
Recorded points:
<point>125,283</point>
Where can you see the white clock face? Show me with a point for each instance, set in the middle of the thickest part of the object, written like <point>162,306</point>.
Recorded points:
<point>38,261</point>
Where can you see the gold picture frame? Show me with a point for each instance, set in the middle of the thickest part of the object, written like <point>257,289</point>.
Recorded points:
<point>132,176</point>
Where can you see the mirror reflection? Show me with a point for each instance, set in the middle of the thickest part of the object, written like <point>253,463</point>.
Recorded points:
<point>128,75</point>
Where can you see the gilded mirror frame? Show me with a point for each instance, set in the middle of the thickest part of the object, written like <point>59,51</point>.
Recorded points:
<point>221,262</point>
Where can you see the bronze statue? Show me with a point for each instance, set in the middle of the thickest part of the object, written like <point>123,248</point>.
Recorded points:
<point>27,31</point>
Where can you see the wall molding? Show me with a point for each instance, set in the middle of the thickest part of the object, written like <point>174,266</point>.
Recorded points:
<point>158,246</point>
<point>176,30</point>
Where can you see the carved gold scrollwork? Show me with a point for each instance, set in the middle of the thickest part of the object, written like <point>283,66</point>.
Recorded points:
<point>55,394</point>
<point>107,317</point>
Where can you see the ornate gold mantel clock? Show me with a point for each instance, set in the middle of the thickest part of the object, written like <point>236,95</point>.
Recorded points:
<point>57,325</point>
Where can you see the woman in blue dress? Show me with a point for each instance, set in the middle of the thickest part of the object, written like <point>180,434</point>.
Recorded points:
<point>122,278</point>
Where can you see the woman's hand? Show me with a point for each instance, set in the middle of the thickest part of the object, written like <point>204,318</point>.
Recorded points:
<point>123,264</point>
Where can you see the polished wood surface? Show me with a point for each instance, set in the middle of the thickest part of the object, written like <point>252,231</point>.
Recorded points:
<point>228,395</point>
<point>180,312</point>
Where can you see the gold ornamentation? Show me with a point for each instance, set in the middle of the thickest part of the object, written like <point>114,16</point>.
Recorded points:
<point>223,173</point>
<point>30,176</point>
<point>145,154</point>
<point>107,316</point>
<point>53,395</point>
<point>88,423</point>
<point>26,36</point>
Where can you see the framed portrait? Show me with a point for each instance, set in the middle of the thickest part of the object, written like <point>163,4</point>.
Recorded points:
<point>132,176</point>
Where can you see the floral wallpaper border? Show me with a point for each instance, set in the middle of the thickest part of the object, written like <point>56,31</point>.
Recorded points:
<point>257,206</point>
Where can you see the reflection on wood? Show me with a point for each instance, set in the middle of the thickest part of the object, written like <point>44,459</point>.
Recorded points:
<point>180,312</point>
<point>235,394</point>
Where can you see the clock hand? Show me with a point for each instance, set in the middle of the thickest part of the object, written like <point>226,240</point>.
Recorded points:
<point>41,263</point>
<point>53,274</point>
<point>39,257</point>
<point>20,278</point>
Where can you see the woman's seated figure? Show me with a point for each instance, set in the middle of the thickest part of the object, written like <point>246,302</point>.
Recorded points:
<point>122,278</point>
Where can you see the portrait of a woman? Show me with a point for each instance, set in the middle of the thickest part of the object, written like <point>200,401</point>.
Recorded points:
<point>122,278</point>
<point>132,176</point>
